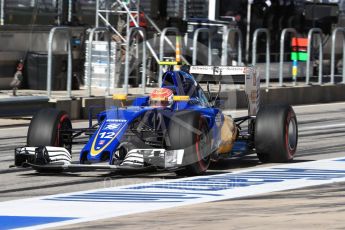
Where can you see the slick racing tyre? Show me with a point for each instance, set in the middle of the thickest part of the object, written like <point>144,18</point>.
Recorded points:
<point>276,134</point>
<point>189,131</point>
<point>46,129</point>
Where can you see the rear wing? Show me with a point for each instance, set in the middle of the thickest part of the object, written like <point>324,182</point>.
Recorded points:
<point>219,70</point>
<point>223,74</point>
<point>246,75</point>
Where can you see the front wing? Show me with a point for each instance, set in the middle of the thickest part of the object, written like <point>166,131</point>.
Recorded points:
<point>57,159</point>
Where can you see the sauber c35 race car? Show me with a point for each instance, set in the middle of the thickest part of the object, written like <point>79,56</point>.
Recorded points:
<point>177,128</point>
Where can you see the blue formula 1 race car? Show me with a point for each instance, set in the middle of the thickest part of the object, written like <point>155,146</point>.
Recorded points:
<point>177,128</point>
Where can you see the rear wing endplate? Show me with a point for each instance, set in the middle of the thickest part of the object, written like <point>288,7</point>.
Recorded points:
<point>246,74</point>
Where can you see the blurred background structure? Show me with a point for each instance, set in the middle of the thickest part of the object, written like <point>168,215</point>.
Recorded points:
<point>43,33</point>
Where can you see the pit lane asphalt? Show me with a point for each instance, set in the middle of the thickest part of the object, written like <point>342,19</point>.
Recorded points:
<point>321,136</point>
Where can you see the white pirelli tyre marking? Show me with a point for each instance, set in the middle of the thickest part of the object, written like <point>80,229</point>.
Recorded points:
<point>68,208</point>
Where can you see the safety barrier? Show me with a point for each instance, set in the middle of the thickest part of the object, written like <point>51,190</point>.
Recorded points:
<point>226,35</point>
<point>257,32</point>
<point>143,75</point>
<point>281,54</point>
<point>70,7</point>
<point>159,32</point>
<point>161,49</point>
<point>195,45</point>
<point>334,35</point>
<point>52,33</point>
<point>314,33</point>
<point>89,77</point>
<point>318,32</point>
<point>2,12</point>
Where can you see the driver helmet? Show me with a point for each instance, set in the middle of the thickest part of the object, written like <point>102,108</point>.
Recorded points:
<point>20,65</point>
<point>161,97</point>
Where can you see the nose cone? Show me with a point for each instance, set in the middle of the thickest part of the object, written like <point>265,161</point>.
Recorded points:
<point>108,136</point>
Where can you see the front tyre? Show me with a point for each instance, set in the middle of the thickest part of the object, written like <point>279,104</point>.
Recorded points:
<point>48,128</point>
<point>189,131</point>
<point>276,134</point>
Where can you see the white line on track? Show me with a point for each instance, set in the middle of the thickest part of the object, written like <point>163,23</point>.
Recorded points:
<point>321,104</point>
<point>14,128</point>
<point>311,128</point>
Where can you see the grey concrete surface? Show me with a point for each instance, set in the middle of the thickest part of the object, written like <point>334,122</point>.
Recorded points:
<point>321,136</point>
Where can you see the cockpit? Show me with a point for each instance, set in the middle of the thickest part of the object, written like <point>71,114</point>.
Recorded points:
<point>182,83</point>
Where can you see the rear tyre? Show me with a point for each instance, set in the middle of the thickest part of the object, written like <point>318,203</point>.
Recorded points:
<point>276,134</point>
<point>189,131</point>
<point>46,129</point>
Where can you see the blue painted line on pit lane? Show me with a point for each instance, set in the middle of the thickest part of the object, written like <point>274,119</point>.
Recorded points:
<point>133,199</point>
<point>11,222</point>
<point>150,193</point>
<point>245,179</point>
<point>340,159</point>
<point>125,197</point>
<point>117,201</point>
<point>128,196</point>
<point>203,184</point>
<point>121,198</point>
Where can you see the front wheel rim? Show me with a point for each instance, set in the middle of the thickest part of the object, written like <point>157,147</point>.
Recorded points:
<point>202,150</point>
